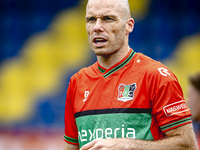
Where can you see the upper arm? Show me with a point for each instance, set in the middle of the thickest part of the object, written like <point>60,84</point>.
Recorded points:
<point>185,134</point>
<point>68,146</point>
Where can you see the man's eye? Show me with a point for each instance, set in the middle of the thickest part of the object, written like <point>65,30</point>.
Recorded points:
<point>108,19</point>
<point>92,19</point>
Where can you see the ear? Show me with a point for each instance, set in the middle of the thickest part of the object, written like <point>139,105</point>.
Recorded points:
<point>130,25</point>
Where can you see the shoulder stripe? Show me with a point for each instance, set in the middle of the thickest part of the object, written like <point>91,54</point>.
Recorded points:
<point>70,139</point>
<point>110,111</point>
<point>176,124</point>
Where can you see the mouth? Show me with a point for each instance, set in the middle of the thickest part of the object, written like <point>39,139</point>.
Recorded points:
<point>99,41</point>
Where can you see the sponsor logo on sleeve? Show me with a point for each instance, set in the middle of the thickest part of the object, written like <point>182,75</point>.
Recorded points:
<point>175,108</point>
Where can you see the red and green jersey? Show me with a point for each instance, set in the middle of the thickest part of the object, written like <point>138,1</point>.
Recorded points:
<point>136,98</point>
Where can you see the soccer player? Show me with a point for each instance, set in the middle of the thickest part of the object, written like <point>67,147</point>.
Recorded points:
<point>126,100</point>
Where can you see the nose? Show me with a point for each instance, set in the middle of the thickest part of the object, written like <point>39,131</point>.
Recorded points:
<point>98,26</point>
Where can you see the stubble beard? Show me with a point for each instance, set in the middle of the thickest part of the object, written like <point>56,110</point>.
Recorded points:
<point>100,51</point>
<point>109,49</point>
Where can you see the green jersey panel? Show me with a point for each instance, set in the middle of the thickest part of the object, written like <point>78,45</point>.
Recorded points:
<point>116,125</point>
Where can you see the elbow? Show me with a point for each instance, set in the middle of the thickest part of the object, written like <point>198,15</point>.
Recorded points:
<point>188,143</point>
<point>192,145</point>
<point>189,146</point>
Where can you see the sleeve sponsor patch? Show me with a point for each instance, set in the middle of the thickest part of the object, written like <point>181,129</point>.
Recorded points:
<point>175,108</point>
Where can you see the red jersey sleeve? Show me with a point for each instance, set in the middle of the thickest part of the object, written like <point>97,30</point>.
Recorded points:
<point>71,133</point>
<point>168,103</point>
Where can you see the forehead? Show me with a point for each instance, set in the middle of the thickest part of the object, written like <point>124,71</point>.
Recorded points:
<point>103,7</point>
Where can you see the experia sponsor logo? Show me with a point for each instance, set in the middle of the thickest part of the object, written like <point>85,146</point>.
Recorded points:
<point>107,133</point>
<point>175,108</point>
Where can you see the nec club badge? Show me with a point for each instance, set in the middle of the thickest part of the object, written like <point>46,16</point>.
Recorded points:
<point>126,92</point>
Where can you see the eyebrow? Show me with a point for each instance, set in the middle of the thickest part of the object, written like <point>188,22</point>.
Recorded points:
<point>93,16</point>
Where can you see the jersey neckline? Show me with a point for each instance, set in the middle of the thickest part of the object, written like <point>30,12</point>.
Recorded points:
<point>117,66</point>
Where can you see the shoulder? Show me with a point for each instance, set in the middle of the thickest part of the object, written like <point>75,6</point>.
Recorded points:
<point>147,62</point>
<point>85,72</point>
<point>154,70</point>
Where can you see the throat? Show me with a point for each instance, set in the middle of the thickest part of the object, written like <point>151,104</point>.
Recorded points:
<point>107,61</point>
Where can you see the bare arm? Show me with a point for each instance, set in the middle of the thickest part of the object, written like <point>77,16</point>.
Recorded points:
<point>181,138</point>
<point>70,147</point>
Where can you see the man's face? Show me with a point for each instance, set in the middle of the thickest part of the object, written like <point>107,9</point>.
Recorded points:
<point>106,26</point>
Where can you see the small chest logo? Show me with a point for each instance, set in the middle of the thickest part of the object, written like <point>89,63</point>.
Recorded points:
<point>86,95</point>
<point>126,92</point>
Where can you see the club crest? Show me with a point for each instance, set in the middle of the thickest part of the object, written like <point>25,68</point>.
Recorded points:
<point>126,92</point>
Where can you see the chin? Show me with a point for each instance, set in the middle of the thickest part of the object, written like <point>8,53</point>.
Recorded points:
<point>101,51</point>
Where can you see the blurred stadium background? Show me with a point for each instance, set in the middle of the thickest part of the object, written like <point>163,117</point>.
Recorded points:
<point>44,42</point>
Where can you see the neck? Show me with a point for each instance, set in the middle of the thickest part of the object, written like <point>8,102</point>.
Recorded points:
<point>112,59</point>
